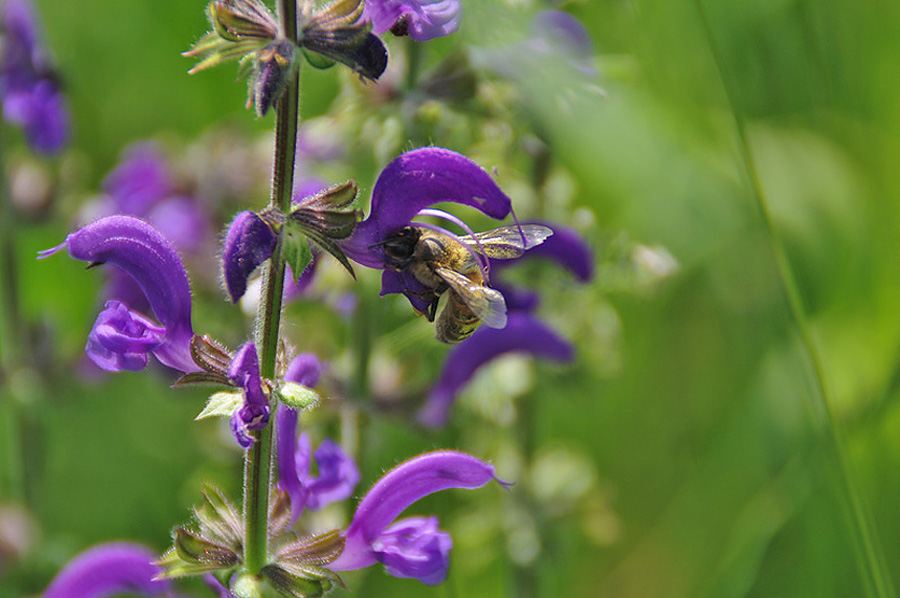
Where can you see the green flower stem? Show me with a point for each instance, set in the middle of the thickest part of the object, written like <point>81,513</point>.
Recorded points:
<point>413,62</point>
<point>870,557</point>
<point>258,464</point>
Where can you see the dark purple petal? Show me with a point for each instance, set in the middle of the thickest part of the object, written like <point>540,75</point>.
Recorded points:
<point>248,244</point>
<point>109,570</point>
<point>140,180</point>
<point>337,479</point>
<point>286,447</point>
<point>419,295</point>
<point>217,586</point>
<point>416,180</point>
<point>121,339</point>
<point>244,373</point>
<point>425,19</point>
<point>415,547</point>
<point>397,490</point>
<point>141,251</point>
<point>566,247</point>
<point>305,369</point>
<point>239,430</point>
<point>523,333</point>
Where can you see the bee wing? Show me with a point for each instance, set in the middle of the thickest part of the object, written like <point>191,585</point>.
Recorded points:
<point>507,242</point>
<point>486,303</point>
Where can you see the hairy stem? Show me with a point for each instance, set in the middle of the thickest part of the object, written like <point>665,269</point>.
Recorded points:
<point>258,464</point>
<point>873,569</point>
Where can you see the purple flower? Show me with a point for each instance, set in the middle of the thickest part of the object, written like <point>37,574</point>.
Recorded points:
<point>523,333</point>
<point>421,19</point>
<point>414,181</point>
<point>248,243</point>
<point>28,87</point>
<point>254,413</point>
<point>411,547</point>
<point>121,335</point>
<point>110,570</point>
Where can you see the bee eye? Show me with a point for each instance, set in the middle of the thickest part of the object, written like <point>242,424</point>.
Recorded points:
<point>398,250</point>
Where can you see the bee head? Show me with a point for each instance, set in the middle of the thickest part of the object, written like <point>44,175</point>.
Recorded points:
<point>399,247</point>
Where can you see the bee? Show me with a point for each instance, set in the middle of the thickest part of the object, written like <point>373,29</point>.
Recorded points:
<point>444,264</point>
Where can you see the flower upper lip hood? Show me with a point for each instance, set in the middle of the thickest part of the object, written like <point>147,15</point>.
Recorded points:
<point>413,181</point>
<point>138,249</point>
<point>107,570</point>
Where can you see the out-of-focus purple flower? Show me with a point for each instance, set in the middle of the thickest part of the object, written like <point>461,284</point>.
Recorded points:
<point>140,180</point>
<point>414,181</point>
<point>249,243</point>
<point>142,252</point>
<point>422,20</point>
<point>28,85</point>
<point>523,333</point>
<point>110,570</point>
<point>338,474</point>
<point>411,547</point>
<point>254,413</point>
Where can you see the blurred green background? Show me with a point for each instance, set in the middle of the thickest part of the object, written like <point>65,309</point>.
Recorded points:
<point>731,429</point>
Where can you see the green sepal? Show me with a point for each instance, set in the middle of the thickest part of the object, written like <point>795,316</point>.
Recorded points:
<point>295,248</point>
<point>297,396</point>
<point>200,378</point>
<point>308,554</point>
<point>203,554</point>
<point>292,586</point>
<point>317,60</point>
<point>221,404</point>
<point>219,520</point>
<point>211,355</point>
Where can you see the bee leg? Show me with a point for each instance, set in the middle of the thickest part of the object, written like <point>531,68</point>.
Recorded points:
<point>431,310</point>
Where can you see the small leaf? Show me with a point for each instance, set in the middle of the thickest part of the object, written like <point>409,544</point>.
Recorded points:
<point>318,61</point>
<point>221,404</point>
<point>295,248</point>
<point>297,396</point>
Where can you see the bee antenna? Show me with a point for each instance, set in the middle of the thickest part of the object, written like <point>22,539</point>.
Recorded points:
<point>480,255</point>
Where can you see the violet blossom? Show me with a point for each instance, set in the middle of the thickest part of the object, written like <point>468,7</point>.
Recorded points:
<point>524,333</point>
<point>122,338</point>
<point>253,414</point>
<point>422,20</point>
<point>29,86</point>
<point>109,570</point>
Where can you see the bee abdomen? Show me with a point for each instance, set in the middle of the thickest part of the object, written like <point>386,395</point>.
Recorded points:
<point>456,321</point>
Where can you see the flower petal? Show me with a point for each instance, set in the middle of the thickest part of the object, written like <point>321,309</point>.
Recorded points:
<point>121,339</point>
<point>523,333</point>
<point>286,447</point>
<point>244,372</point>
<point>567,248</point>
<point>140,180</point>
<point>416,180</point>
<point>141,251</point>
<point>425,19</point>
<point>305,369</point>
<point>337,479</point>
<point>398,489</point>
<point>109,570</point>
<point>415,547</point>
<point>249,243</point>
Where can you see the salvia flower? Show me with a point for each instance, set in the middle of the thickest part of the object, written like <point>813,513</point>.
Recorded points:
<point>110,570</point>
<point>122,338</point>
<point>28,84</point>
<point>253,414</point>
<point>245,30</point>
<point>411,547</point>
<point>422,20</point>
<point>524,333</point>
